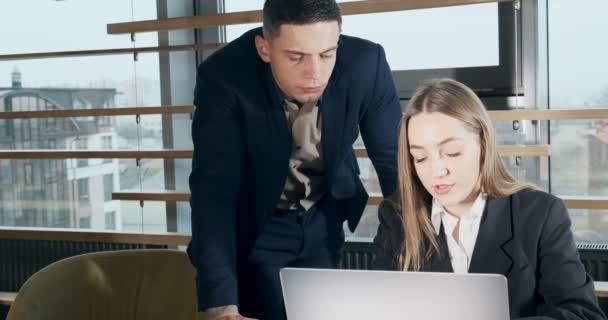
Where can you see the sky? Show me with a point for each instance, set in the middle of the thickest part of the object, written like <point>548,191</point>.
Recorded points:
<point>73,25</point>
<point>578,51</point>
<point>447,37</point>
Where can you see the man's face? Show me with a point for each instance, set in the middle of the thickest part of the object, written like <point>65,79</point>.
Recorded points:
<point>302,58</point>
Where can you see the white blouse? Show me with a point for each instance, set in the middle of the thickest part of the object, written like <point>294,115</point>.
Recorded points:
<point>461,251</point>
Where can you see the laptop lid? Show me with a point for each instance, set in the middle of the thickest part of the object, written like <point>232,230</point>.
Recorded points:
<point>323,294</point>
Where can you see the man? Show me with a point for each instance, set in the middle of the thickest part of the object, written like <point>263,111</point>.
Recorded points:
<point>274,173</point>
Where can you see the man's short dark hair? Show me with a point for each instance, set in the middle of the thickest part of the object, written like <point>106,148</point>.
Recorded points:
<point>298,12</point>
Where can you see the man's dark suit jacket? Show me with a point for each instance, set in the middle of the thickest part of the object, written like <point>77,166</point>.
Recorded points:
<point>525,237</point>
<point>242,148</point>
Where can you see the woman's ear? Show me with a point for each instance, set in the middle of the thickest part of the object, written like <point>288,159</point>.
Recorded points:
<point>263,48</point>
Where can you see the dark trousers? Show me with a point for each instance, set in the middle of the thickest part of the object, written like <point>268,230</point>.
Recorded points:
<point>310,239</point>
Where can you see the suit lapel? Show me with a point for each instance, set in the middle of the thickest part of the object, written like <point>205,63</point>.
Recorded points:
<point>272,143</point>
<point>439,262</point>
<point>333,113</point>
<point>494,245</point>
<point>278,131</point>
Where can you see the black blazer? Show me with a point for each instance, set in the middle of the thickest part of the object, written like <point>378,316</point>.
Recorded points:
<point>242,148</point>
<point>525,237</point>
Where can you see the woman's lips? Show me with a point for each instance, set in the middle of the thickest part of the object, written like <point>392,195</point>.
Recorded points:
<point>442,189</point>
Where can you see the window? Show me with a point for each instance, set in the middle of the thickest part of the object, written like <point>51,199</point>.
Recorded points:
<point>83,189</point>
<point>8,125</point>
<point>81,144</point>
<point>577,79</point>
<point>63,219</point>
<point>3,122</point>
<point>577,64</point>
<point>65,125</point>
<point>85,222</point>
<point>28,173</point>
<point>108,186</point>
<point>57,218</point>
<point>27,218</point>
<point>65,83</point>
<point>5,172</point>
<point>479,39</point>
<point>51,123</point>
<point>4,128</point>
<point>104,121</point>
<point>106,144</point>
<point>26,129</point>
<point>50,171</point>
<point>88,17</point>
<point>110,219</point>
<point>6,217</point>
<point>416,50</point>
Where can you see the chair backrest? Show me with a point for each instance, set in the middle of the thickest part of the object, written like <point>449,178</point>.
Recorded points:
<point>131,284</point>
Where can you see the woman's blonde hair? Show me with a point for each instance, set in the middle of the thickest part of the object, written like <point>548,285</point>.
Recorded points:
<point>456,100</point>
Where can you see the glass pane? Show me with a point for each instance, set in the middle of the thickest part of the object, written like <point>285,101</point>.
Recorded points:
<point>234,31</point>
<point>419,39</point>
<point>72,25</point>
<point>579,160</point>
<point>80,83</point>
<point>528,169</point>
<point>152,220</point>
<point>369,177</point>
<point>367,228</point>
<point>589,226</point>
<point>50,193</point>
<point>577,69</point>
<point>94,133</point>
<point>77,193</point>
<point>577,51</point>
<point>150,132</point>
<point>149,176</point>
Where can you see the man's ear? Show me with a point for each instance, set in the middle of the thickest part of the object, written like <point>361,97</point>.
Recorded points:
<point>263,48</point>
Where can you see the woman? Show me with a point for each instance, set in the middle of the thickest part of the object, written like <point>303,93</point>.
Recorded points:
<point>459,210</point>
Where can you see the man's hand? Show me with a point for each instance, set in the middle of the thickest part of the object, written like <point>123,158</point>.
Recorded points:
<point>234,317</point>
<point>230,312</point>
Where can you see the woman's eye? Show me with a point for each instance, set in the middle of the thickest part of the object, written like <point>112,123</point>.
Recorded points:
<point>419,160</point>
<point>453,155</point>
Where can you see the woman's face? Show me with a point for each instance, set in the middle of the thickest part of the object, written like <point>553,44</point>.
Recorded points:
<point>446,156</point>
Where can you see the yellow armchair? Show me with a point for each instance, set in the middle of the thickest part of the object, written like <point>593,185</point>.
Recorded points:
<point>133,284</point>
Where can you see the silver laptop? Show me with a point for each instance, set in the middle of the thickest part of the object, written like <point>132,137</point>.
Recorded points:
<point>321,294</point>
